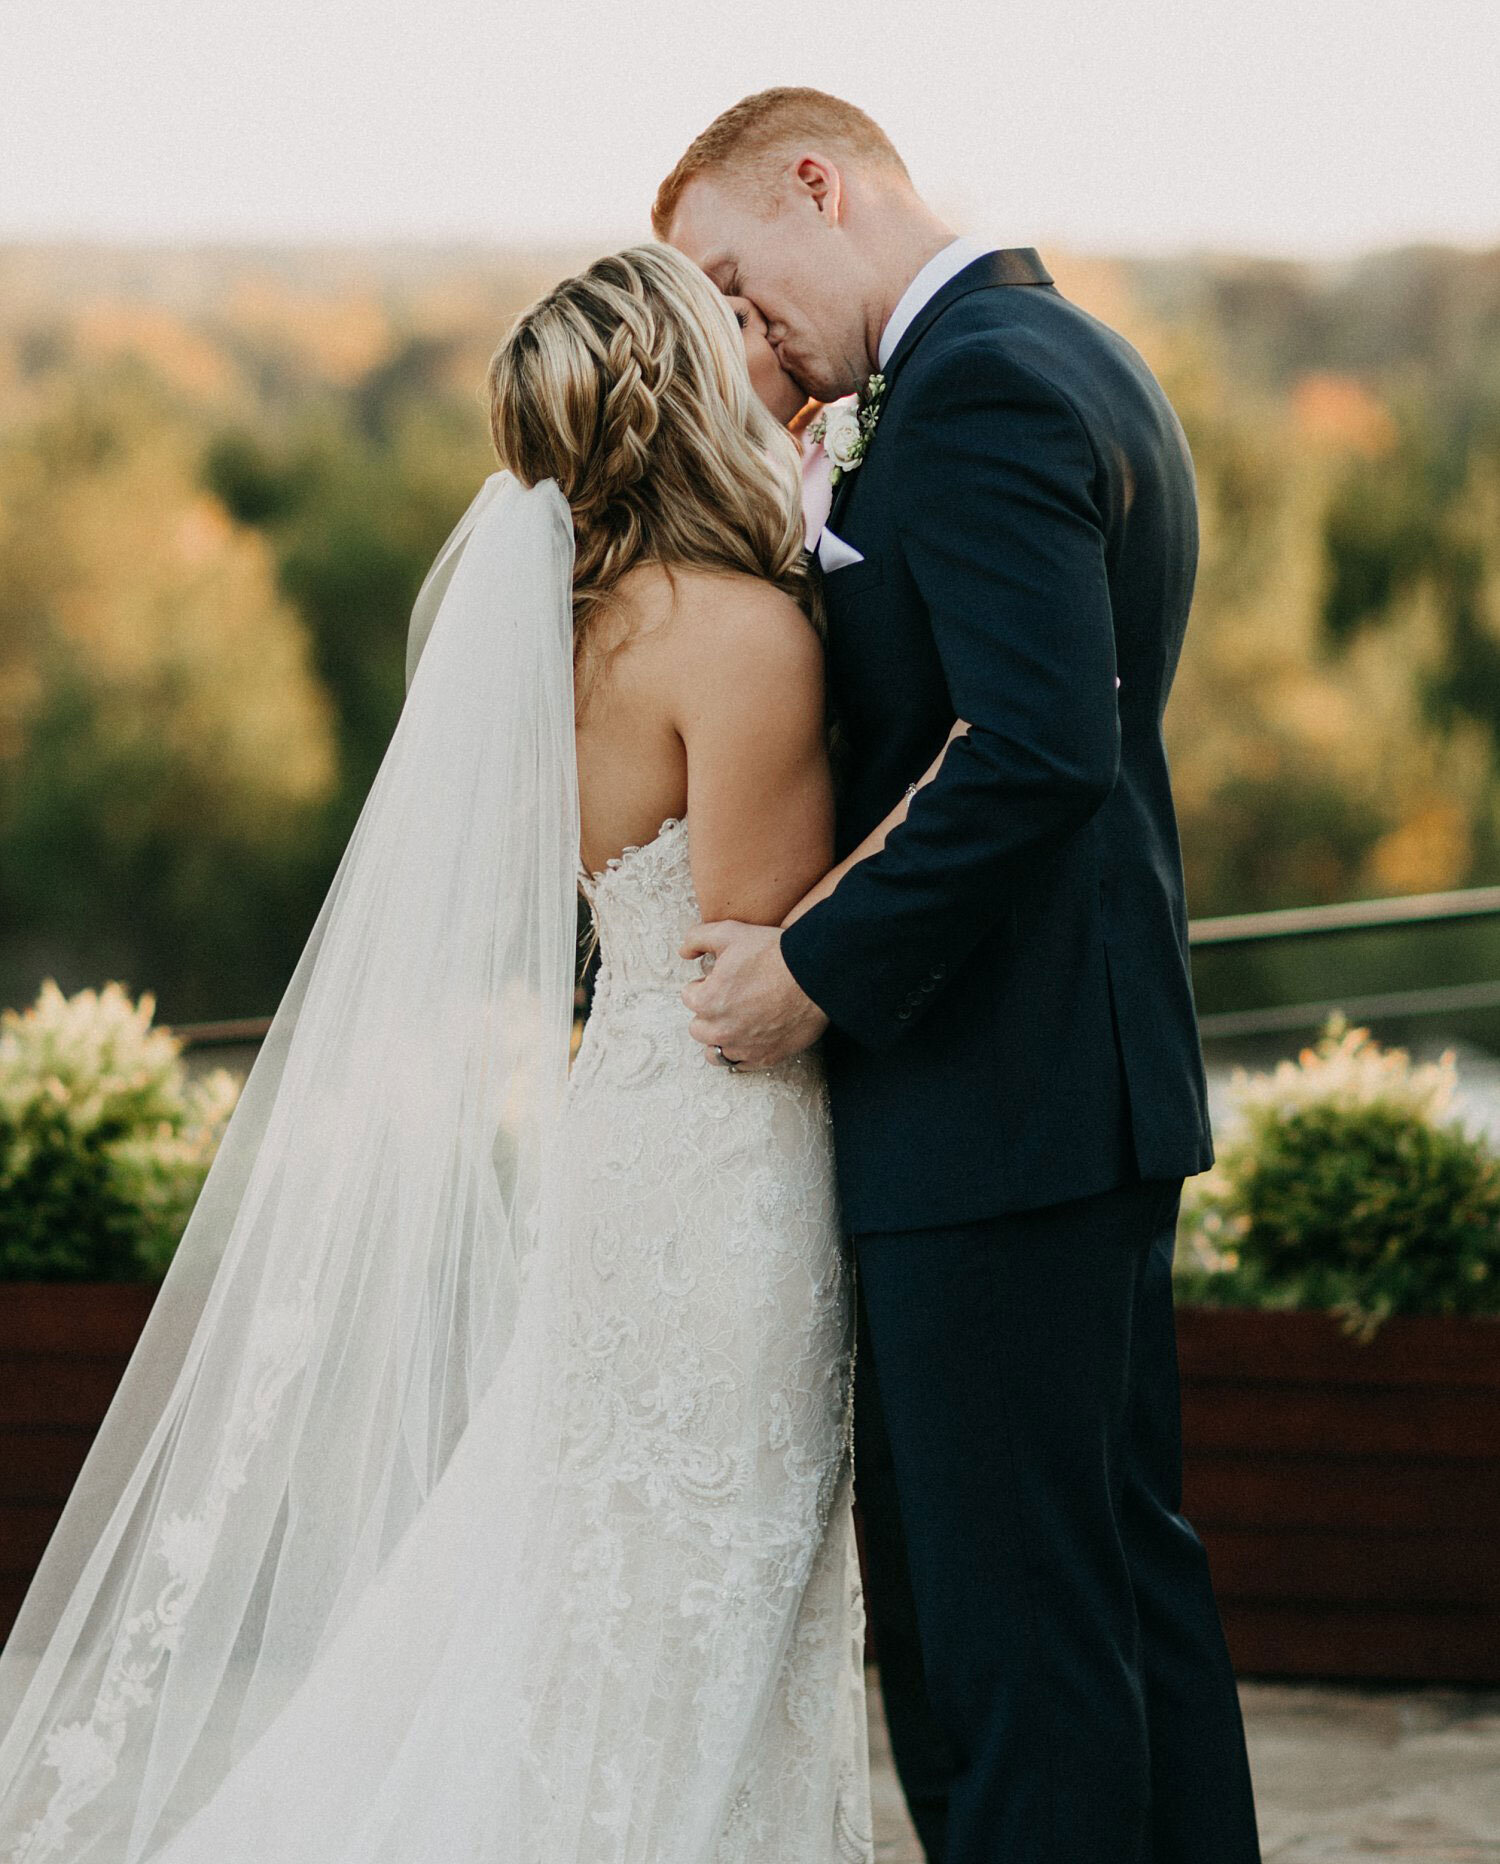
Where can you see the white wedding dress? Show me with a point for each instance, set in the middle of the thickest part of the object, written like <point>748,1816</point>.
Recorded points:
<point>499,1511</point>
<point>687,1688</point>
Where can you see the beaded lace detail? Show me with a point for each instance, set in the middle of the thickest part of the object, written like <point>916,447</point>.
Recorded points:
<point>710,1423</point>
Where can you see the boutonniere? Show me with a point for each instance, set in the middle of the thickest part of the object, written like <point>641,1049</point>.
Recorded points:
<point>845,428</point>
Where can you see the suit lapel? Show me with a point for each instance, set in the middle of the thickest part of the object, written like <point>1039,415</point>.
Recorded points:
<point>1013,265</point>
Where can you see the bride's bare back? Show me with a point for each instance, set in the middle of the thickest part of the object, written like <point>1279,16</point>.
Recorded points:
<point>703,697</point>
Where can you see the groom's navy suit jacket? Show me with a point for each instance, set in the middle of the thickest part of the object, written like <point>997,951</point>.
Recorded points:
<point>1007,981</point>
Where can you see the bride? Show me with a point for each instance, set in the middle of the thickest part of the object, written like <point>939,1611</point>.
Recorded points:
<point>480,1488</point>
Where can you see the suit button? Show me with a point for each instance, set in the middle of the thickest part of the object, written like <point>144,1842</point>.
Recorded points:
<point>904,1013</point>
<point>929,986</point>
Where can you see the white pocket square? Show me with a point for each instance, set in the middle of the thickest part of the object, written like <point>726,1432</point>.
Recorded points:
<point>834,553</point>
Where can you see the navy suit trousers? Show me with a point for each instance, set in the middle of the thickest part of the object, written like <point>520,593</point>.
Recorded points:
<point>1051,1655</point>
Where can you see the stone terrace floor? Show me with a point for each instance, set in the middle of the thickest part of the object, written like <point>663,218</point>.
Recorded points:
<point>1343,1775</point>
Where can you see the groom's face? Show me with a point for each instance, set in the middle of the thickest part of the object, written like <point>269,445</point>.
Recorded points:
<point>794,264</point>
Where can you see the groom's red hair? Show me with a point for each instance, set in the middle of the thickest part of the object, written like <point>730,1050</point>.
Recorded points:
<point>772,123</point>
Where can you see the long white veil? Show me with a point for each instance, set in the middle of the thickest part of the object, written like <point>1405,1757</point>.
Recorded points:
<point>347,1285</point>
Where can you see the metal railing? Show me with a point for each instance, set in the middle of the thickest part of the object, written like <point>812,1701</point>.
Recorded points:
<point>231,1034</point>
<point>1300,922</point>
<point>1218,934</point>
<point>1423,909</point>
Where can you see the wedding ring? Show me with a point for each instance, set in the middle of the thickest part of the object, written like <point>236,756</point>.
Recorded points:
<point>730,1065</point>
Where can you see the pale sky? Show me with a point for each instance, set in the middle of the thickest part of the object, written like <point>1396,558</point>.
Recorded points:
<point>1310,127</point>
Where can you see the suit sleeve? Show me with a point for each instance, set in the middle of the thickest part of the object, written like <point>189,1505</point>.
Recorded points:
<point>999,532</point>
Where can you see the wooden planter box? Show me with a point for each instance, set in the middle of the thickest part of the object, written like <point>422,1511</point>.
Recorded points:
<point>1348,1495</point>
<point>63,1347</point>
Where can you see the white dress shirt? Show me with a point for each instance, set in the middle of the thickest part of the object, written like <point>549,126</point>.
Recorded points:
<point>925,286</point>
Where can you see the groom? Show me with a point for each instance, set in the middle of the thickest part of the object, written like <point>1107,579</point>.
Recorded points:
<point>1011,1043</point>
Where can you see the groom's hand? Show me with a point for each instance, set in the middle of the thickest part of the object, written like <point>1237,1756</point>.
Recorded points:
<point>749,1004</point>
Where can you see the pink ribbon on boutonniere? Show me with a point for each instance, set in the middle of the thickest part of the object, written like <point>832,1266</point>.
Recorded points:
<point>833,443</point>
<point>817,489</point>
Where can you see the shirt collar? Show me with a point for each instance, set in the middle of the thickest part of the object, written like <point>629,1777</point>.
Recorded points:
<point>942,266</point>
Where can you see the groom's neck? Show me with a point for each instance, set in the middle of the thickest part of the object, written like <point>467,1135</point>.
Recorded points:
<point>909,235</point>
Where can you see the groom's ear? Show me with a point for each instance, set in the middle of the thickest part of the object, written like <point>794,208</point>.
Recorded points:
<point>819,180</point>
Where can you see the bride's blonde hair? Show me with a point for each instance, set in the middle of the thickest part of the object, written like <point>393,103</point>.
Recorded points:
<point>627,384</point>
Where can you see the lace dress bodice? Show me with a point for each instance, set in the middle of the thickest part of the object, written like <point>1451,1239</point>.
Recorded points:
<point>643,905</point>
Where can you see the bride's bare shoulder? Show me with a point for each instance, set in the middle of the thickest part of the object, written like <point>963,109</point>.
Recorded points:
<point>743,658</point>
<point>675,640</point>
<point>737,623</point>
<point>694,631</point>
<point>695,595</point>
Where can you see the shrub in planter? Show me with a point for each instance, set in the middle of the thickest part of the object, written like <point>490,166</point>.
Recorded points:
<point>104,1139</point>
<point>1343,1186</point>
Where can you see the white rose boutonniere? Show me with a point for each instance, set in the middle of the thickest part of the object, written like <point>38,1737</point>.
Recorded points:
<point>842,438</point>
<point>845,428</point>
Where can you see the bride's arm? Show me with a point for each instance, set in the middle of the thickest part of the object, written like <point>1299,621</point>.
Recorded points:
<point>746,668</point>
<point>875,840</point>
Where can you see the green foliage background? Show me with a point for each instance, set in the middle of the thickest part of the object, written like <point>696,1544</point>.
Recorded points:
<point>222,475</point>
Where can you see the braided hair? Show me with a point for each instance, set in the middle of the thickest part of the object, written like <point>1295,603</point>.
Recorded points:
<point>627,384</point>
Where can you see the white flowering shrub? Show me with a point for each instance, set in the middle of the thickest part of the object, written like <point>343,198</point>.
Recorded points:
<point>1346,1186</point>
<point>104,1140</point>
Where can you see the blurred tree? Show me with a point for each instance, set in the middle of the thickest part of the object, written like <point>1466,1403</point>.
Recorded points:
<point>1315,755</point>
<point>164,741</point>
<point>223,476</point>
